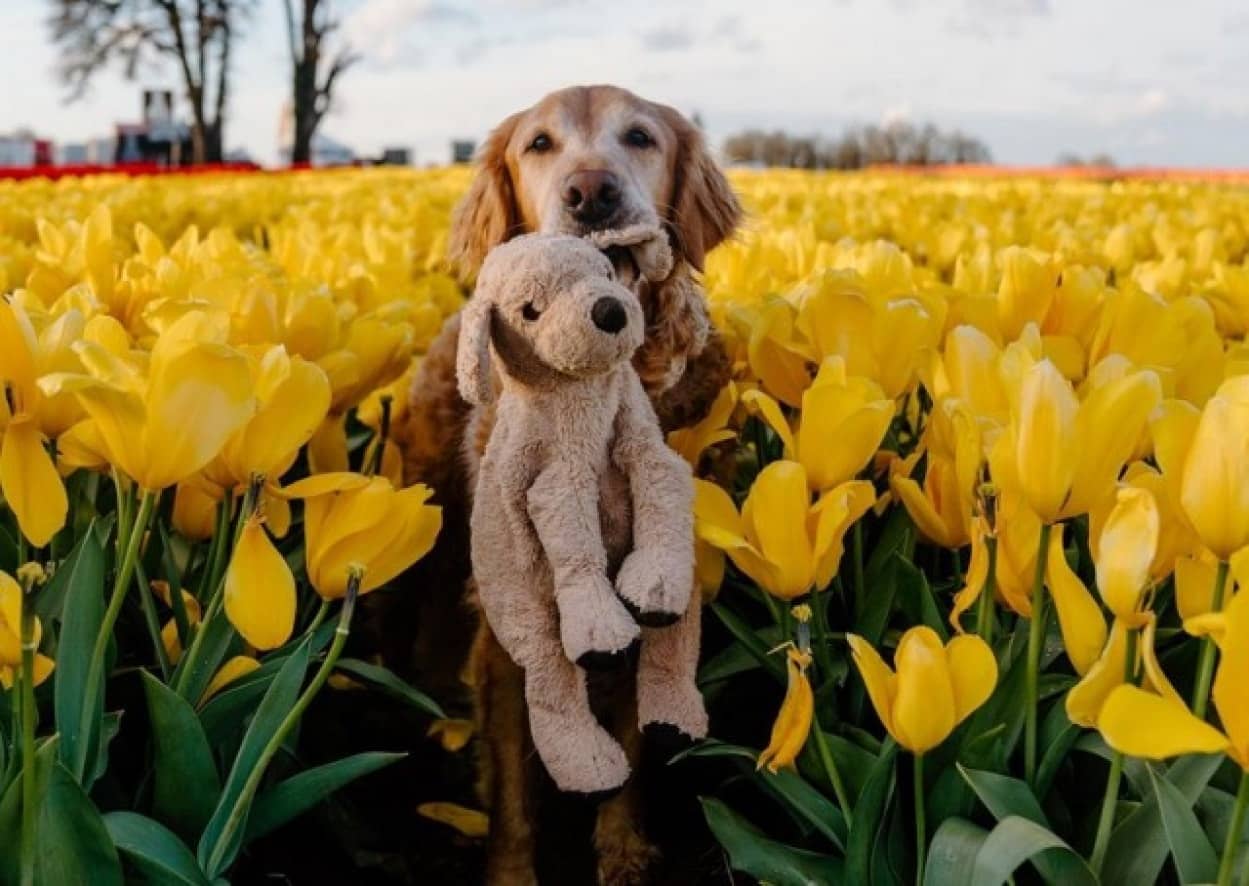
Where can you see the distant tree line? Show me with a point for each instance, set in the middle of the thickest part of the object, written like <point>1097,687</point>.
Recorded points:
<point>895,143</point>
<point>1072,159</point>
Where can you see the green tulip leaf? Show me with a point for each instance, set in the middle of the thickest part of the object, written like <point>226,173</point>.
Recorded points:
<point>1015,840</point>
<point>952,852</point>
<point>392,685</point>
<point>765,859</point>
<point>231,811</point>
<point>1194,856</point>
<point>186,781</point>
<point>869,817</point>
<point>82,576</point>
<point>154,850</point>
<point>299,793</point>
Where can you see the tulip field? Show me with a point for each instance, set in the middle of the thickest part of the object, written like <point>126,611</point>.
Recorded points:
<point>971,520</point>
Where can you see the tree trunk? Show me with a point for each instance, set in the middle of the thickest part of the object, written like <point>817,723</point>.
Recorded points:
<point>304,93</point>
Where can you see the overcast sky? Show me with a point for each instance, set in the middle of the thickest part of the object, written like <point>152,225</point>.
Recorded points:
<point>1147,81</point>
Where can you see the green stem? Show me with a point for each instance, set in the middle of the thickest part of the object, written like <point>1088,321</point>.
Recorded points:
<point>383,432</point>
<point>1227,865</point>
<point>29,714</point>
<point>208,579</point>
<point>856,561</point>
<point>834,775</point>
<point>187,665</point>
<point>238,813</point>
<point>1110,799</point>
<point>1036,639</point>
<point>921,821</point>
<point>322,611</point>
<point>94,688</point>
<point>150,617</point>
<point>1205,664</point>
<point>984,606</point>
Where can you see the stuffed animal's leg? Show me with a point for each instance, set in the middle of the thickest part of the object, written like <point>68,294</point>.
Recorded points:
<point>668,697</point>
<point>655,579</point>
<point>580,755</point>
<point>595,629</point>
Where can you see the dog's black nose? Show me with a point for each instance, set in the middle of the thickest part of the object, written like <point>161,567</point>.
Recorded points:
<point>609,314</point>
<point>591,195</point>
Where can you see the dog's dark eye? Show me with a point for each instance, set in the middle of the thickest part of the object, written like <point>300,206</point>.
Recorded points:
<point>637,137</point>
<point>529,312</point>
<point>541,143</point>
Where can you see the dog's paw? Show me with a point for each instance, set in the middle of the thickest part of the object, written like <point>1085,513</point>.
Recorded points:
<point>596,630</point>
<point>655,594</point>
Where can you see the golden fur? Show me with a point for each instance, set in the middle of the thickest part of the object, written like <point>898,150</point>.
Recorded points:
<point>673,181</point>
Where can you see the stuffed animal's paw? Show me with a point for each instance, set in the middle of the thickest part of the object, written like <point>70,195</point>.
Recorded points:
<point>672,714</point>
<point>580,756</point>
<point>597,631</point>
<point>655,593</point>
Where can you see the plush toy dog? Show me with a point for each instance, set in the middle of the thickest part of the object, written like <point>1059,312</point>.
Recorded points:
<point>582,532</point>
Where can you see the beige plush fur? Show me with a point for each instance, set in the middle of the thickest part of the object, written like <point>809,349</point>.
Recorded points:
<point>582,536</point>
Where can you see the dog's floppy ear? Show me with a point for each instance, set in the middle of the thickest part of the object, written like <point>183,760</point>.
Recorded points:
<point>705,210</point>
<point>472,355</point>
<point>487,215</point>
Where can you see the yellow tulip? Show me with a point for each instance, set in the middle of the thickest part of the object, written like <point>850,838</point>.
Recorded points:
<point>357,525</point>
<point>967,368</point>
<point>935,688</point>
<point>777,358</point>
<point>28,478</point>
<point>1029,281</point>
<point>293,397</point>
<point>11,636</point>
<point>843,421</point>
<point>260,596</point>
<point>162,426</point>
<point>1214,490</point>
<point>1067,455</point>
<point>1125,552</point>
<point>942,509</point>
<point>1018,538</point>
<point>783,542</point>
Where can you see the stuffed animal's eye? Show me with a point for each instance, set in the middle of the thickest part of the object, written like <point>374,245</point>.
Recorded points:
<point>637,137</point>
<point>541,143</point>
<point>529,312</point>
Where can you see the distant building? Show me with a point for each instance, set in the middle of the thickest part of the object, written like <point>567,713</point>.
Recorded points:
<point>462,150</point>
<point>395,157</point>
<point>24,149</point>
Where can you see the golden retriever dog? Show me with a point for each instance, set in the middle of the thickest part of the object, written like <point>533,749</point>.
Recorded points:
<point>582,159</point>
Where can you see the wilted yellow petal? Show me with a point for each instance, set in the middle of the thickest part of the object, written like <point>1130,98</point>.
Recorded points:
<point>1141,724</point>
<point>468,822</point>
<point>1079,616</point>
<point>451,734</point>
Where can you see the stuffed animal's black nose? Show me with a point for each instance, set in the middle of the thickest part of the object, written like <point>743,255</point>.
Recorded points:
<point>609,314</point>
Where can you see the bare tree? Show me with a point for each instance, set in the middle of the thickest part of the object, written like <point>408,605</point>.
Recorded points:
<point>197,35</point>
<point>314,72</point>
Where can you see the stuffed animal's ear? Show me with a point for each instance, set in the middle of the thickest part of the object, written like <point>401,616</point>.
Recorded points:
<point>487,215</point>
<point>705,209</point>
<point>472,356</point>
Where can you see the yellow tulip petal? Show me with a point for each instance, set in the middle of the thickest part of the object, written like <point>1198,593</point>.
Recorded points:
<point>452,734</point>
<point>1229,681</point>
<point>259,590</point>
<point>1045,447</point>
<point>770,411</point>
<point>327,448</point>
<point>1079,616</point>
<point>32,487</point>
<point>775,516</point>
<point>880,680</point>
<point>468,822</point>
<point>1141,724</point>
<point>1085,699</point>
<point>973,582</point>
<point>973,673</point>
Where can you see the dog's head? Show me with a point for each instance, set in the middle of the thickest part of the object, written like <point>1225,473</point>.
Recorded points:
<point>553,308</point>
<point>591,158</point>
